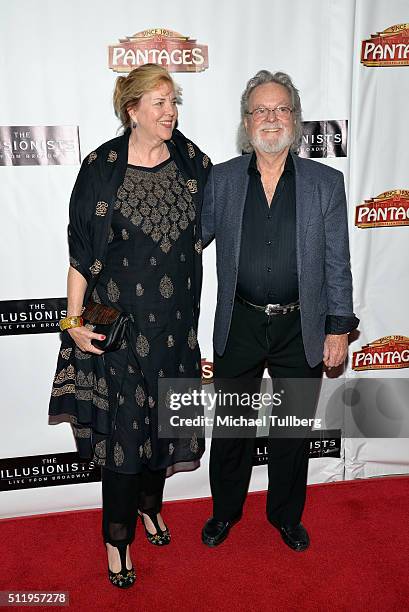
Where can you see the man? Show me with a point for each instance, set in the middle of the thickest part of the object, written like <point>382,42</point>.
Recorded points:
<point>284,291</point>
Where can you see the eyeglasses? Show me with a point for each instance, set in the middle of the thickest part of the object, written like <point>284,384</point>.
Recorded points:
<point>260,113</point>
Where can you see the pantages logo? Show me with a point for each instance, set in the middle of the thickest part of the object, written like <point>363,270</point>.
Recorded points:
<point>176,52</point>
<point>385,353</point>
<point>41,145</point>
<point>387,48</point>
<point>46,471</point>
<point>328,444</point>
<point>386,210</point>
<point>324,138</point>
<point>31,316</point>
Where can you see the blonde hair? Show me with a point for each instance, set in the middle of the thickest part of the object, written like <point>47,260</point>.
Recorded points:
<point>130,89</point>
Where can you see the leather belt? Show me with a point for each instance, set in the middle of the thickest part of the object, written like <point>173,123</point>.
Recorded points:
<point>271,309</point>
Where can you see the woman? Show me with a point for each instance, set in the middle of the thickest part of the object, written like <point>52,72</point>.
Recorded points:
<point>135,244</point>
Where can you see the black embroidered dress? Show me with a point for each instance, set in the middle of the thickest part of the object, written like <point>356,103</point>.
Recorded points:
<point>149,273</point>
<point>135,236</point>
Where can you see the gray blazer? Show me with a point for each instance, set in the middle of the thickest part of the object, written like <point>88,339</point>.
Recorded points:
<point>323,266</point>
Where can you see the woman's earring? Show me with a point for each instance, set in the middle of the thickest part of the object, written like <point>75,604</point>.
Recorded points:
<point>134,125</point>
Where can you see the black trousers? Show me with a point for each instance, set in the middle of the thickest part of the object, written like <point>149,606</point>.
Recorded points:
<point>256,341</point>
<point>122,496</point>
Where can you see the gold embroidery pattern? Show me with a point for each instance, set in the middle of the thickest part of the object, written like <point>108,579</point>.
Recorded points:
<point>118,454</point>
<point>190,149</point>
<point>101,449</point>
<point>96,267</point>
<point>192,185</point>
<point>151,402</point>
<point>141,451</point>
<point>125,235</point>
<point>112,156</point>
<point>96,297</point>
<point>192,339</point>
<point>91,157</point>
<point>199,247</point>
<point>147,447</point>
<point>83,432</point>
<point>99,402</point>
<point>84,380</point>
<point>170,341</point>
<point>101,209</point>
<point>205,161</point>
<point>194,445</point>
<point>113,291</point>
<point>79,354</point>
<point>65,390</point>
<point>125,262</point>
<point>100,386</point>
<point>166,287</point>
<point>140,396</point>
<point>65,353</point>
<point>64,375</point>
<point>139,290</point>
<point>142,346</point>
<point>135,425</point>
<point>83,394</point>
<point>168,397</point>
<point>146,420</point>
<point>151,317</point>
<point>74,263</point>
<point>158,203</point>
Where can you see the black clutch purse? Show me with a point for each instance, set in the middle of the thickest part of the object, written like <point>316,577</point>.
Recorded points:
<point>107,321</point>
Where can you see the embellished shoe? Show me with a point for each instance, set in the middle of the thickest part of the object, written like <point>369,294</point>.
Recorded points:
<point>162,536</point>
<point>125,578</point>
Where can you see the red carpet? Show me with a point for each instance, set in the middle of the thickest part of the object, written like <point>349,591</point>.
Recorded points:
<point>358,559</point>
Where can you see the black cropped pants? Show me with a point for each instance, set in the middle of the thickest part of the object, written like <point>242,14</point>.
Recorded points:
<point>122,496</point>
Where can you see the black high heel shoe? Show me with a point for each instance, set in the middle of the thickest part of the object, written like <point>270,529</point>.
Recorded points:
<point>125,578</point>
<point>161,537</point>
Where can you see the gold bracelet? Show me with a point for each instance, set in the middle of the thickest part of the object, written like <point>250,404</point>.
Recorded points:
<point>70,323</point>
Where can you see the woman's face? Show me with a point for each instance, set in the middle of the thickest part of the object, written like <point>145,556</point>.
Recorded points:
<point>156,114</point>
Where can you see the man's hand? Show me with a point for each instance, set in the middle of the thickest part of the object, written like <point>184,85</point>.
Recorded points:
<point>335,349</point>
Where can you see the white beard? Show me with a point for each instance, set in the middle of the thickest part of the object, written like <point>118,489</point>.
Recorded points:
<point>283,141</point>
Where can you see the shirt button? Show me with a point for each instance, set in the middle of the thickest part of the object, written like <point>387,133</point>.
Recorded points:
<point>268,216</point>
<point>268,269</point>
<point>268,242</point>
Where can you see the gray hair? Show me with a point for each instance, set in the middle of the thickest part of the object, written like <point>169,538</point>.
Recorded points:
<point>262,77</point>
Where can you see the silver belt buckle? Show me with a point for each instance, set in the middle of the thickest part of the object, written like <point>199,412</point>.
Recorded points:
<point>270,309</point>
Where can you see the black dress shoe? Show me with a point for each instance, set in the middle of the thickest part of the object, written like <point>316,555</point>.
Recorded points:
<point>215,532</point>
<point>295,537</point>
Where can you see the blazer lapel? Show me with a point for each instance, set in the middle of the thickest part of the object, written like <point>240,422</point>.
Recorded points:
<point>239,193</point>
<point>304,192</point>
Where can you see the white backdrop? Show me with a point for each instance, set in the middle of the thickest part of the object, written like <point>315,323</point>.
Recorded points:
<point>54,67</point>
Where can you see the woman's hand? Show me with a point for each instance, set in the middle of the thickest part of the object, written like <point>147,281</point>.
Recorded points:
<point>82,338</point>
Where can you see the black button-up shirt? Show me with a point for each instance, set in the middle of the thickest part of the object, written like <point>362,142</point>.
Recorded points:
<point>268,266</point>
<point>268,263</point>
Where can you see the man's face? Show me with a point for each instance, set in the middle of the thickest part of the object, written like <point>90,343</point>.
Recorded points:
<point>272,134</point>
